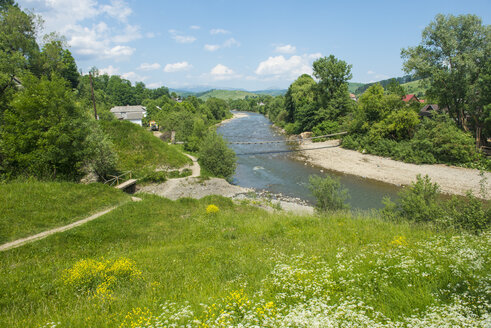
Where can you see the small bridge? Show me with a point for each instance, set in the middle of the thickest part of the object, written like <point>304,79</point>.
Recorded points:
<point>128,186</point>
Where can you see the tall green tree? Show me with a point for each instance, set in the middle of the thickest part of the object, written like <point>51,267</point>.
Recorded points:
<point>44,132</point>
<point>452,56</point>
<point>332,89</point>
<point>17,48</point>
<point>300,102</point>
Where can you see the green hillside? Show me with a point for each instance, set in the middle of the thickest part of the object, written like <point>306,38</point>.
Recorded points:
<point>226,94</point>
<point>159,263</point>
<point>353,86</point>
<point>414,87</point>
<point>138,150</point>
<point>29,208</point>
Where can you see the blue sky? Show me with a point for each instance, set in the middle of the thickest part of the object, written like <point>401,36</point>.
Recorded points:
<point>241,44</point>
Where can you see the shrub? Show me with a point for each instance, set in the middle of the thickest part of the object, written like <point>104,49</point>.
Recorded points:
<point>328,192</point>
<point>468,213</point>
<point>101,157</point>
<point>441,137</point>
<point>216,157</point>
<point>419,201</point>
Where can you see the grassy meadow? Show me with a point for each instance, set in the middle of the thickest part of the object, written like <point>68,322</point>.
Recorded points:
<point>159,263</point>
<point>139,151</point>
<point>30,208</point>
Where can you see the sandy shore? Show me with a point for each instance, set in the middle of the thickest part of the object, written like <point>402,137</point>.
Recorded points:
<point>452,180</point>
<point>235,115</point>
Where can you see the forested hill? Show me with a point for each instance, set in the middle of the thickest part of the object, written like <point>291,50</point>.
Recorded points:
<point>359,88</point>
<point>227,94</point>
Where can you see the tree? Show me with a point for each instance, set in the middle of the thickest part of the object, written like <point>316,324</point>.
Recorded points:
<point>333,75</point>
<point>332,89</point>
<point>452,56</point>
<point>216,157</point>
<point>300,101</point>
<point>44,133</point>
<point>17,48</point>
<point>328,192</point>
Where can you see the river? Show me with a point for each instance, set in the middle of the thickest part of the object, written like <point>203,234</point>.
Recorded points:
<point>272,168</point>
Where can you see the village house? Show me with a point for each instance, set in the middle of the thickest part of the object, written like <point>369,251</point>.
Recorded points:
<point>431,109</point>
<point>352,97</point>
<point>134,114</point>
<point>411,97</point>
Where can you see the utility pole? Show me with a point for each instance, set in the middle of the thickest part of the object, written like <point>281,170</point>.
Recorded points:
<point>93,98</point>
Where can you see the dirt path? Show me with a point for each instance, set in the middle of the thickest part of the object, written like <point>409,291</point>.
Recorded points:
<point>452,180</point>
<point>23,241</point>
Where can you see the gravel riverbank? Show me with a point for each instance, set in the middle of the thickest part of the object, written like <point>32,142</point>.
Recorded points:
<point>452,180</point>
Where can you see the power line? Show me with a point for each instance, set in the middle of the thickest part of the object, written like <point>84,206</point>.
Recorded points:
<point>284,151</point>
<point>281,141</point>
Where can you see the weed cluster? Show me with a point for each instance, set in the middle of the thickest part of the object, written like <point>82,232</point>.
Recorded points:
<point>99,278</point>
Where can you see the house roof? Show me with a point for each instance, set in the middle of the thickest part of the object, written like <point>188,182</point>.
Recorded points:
<point>128,109</point>
<point>429,109</point>
<point>129,115</point>
<point>410,97</point>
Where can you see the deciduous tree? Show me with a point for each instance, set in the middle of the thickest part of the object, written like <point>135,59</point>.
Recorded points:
<point>452,56</point>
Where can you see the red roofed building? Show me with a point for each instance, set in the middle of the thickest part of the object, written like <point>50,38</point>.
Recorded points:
<point>412,97</point>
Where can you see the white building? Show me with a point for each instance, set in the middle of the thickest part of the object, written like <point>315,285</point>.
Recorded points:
<point>134,114</point>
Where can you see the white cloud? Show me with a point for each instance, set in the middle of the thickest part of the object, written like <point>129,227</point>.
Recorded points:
<point>118,9</point>
<point>370,72</point>
<point>110,70</point>
<point>184,38</point>
<point>222,72</point>
<point>178,37</point>
<point>231,42</point>
<point>194,27</point>
<point>281,67</point>
<point>227,44</point>
<point>119,51</point>
<point>100,40</point>
<point>211,47</point>
<point>155,85</point>
<point>133,77</point>
<point>286,49</point>
<point>219,31</point>
<point>176,67</point>
<point>131,32</point>
<point>149,67</point>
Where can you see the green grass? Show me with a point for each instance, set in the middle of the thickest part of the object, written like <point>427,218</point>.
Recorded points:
<point>189,257</point>
<point>226,94</point>
<point>353,86</point>
<point>139,151</point>
<point>30,208</point>
<point>414,87</point>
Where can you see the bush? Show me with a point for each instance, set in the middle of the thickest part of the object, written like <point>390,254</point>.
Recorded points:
<point>421,202</point>
<point>101,157</point>
<point>468,213</point>
<point>216,157</point>
<point>328,192</point>
<point>441,138</point>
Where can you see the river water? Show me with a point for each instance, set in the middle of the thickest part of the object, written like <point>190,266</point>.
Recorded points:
<point>271,167</point>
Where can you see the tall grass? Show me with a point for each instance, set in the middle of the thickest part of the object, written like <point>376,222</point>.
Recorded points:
<point>30,208</point>
<point>139,151</point>
<point>241,265</point>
